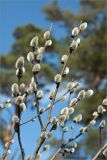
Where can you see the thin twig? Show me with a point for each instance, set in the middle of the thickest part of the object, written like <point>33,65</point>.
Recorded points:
<point>100,132</point>
<point>18,128</point>
<point>19,137</point>
<point>39,118</point>
<point>5,154</point>
<point>66,121</point>
<point>100,152</point>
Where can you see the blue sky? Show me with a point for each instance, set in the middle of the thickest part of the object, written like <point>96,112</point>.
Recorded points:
<point>15,13</point>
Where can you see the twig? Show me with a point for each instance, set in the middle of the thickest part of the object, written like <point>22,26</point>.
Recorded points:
<point>100,152</point>
<point>19,137</point>
<point>65,121</point>
<point>17,126</point>
<point>100,132</point>
<point>37,102</point>
<point>39,118</point>
<point>4,157</point>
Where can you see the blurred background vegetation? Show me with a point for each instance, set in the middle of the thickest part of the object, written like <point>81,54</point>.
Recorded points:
<point>88,65</point>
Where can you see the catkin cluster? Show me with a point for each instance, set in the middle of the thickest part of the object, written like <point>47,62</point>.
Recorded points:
<point>20,92</point>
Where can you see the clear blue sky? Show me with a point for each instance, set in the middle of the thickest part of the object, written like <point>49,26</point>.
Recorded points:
<point>15,13</point>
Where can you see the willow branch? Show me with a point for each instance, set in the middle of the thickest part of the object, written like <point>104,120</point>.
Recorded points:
<point>70,139</point>
<point>39,117</point>
<point>50,110</point>
<point>5,154</point>
<point>17,126</point>
<point>33,118</point>
<point>100,152</point>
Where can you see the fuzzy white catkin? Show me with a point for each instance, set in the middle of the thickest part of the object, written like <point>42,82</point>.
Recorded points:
<point>15,89</point>
<point>46,147</point>
<point>28,158</point>
<point>48,43</point>
<point>18,71</point>
<point>70,110</point>
<point>39,57</point>
<point>50,105</point>
<point>47,35</point>
<point>22,107</point>
<point>39,94</point>
<point>1,106</point>
<point>66,71</point>
<point>81,94</point>
<point>41,110</point>
<point>54,121</point>
<point>75,145</point>
<point>83,129</point>
<point>74,45</point>
<point>76,84</point>
<point>63,98</point>
<point>78,118</point>
<point>70,86</point>
<point>34,42</point>
<point>83,26</point>
<point>39,155</point>
<point>89,93</point>
<point>23,70</point>
<point>64,111</point>
<point>22,87</point>
<point>12,141</point>
<point>95,114</point>
<point>75,31</point>
<point>72,150</point>
<point>15,119</point>
<point>66,150</point>
<point>64,58</point>
<point>6,145</point>
<point>20,62</point>
<point>33,79</point>
<point>92,122</point>
<point>33,86</point>
<point>102,124</point>
<point>62,118</point>
<point>58,78</point>
<point>41,50</point>
<point>36,68</point>
<point>52,94</point>
<point>65,129</point>
<point>104,102</point>
<point>78,41</point>
<point>49,134</point>
<point>101,109</point>
<point>19,100</point>
<point>7,104</point>
<point>9,151</point>
<point>30,57</point>
<point>43,135</point>
<point>73,102</point>
<point>8,101</point>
